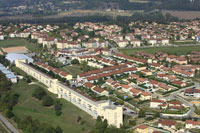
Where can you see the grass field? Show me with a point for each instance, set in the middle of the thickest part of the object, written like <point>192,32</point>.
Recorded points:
<point>18,42</point>
<point>171,50</point>
<point>2,129</point>
<point>74,70</point>
<point>29,106</point>
<point>185,42</point>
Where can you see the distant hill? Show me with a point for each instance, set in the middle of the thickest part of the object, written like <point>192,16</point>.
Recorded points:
<point>16,7</point>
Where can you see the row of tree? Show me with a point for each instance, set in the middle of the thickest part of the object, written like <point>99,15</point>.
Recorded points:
<point>29,125</point>
<point>102,126</point>
<point>40,94</point>
<point>154,16</point>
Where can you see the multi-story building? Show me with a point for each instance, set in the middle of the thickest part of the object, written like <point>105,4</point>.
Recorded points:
<point>104,109</point>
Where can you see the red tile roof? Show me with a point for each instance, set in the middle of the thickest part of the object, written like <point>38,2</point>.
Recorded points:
<point>157,101</point>
<point>89,85</point>
<point>146,94</point>
<point>98,89</point>
<point>167,122</point>
<point>57,71</point>
<point>64,74</point>
<point>142,127</point>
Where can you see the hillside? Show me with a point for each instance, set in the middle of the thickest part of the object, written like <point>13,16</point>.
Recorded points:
<point>55,7</point>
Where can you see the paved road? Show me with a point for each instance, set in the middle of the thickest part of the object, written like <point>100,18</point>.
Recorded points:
<point>8,124</point>
<point>176,94</point>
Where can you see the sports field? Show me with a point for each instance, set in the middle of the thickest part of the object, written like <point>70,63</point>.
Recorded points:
<point>18,42</point>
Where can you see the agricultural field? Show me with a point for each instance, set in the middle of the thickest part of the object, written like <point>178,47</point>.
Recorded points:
<point>183,14</point>
<point>29,106</point>
<point>139,1</point>
<point>18,42</point>
<point>171,50</point>
<point>92,12</point>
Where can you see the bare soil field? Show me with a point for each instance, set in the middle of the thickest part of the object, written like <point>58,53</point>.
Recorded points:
<point>183,14</point>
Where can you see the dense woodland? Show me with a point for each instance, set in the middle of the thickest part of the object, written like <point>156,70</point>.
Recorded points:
<point>104,4</point>
<point>150,17</point>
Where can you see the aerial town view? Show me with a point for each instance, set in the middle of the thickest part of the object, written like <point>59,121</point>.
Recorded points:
<point>105,66</point>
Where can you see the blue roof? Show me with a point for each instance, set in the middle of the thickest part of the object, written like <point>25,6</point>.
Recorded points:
<point>2,68</point>
<point>13,56</point>
<point>6,72</point>
<point>10,76</point>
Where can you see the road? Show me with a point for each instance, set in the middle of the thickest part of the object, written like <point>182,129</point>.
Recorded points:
<point>176,95</point>
<point>8,124</point>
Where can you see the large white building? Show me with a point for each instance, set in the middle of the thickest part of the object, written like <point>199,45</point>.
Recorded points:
<point>104,109</point>
<point>12,57</point>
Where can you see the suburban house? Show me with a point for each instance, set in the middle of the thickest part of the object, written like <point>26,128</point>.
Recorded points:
<point>179,83</point>
<point>192,92</point>
<point>167,124</point>
<point>113,84</point>
<point>145,96</point>
<point>95,88</point>
<point>175,105</point>
<point>126,88</point>
<point>190,124</point>
<point>142,129</point>
<point>156,103</point>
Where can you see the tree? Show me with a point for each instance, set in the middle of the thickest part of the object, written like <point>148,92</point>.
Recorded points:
<point>113,129</point>
<point>39,93</point>
<point>101,81</point>
<point>79,119</point>
<point>58,107</point>
<point>75,61</point>
<point>141,113</point>
<point>58,130</point>
<point>8,113</point>
<point>47,101</point>
<point>179,126</point>
<point>132,122</point>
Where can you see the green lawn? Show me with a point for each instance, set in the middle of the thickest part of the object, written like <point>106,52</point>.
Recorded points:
<point>2,129</point>
<point>185,42</point>
<point>29,106</point>
<point>18,42</point>
<point>195,130</point>
<point>171,50</point>
<point>74,69</point>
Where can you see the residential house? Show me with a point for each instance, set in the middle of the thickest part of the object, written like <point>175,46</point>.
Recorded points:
<point>156,103</point>
<point>192,92</point>
<point>179,83</point>
<point>142,129</point>
<point>145,96</point>
<point>190,124</point>
<point>167,124</point>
